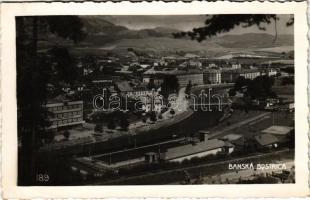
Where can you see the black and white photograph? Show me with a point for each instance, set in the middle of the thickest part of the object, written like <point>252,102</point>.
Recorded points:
<point>155,99</point>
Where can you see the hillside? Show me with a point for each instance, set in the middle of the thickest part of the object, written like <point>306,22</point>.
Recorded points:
<point>254,40</point>
<point>106,36</point>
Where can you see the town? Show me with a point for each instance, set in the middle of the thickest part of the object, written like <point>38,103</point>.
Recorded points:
<point>114,140</point>
<point>122,114</point>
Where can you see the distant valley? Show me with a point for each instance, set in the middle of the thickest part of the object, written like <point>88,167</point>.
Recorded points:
<point>105,36</point>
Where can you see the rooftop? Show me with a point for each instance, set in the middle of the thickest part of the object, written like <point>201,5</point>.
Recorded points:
<point>266,139</point>
<point>189,149</point>
<point>278,130</point>
<point>232,137</point>
<point>124,86</point>
<point>240,70</point>
<point>171,72</point>
<point>58,99</point>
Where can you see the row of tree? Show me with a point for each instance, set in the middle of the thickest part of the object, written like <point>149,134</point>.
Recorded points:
<point>260,87</point>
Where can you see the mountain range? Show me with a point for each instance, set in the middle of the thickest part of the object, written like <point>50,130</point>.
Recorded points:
<point>104,35</point>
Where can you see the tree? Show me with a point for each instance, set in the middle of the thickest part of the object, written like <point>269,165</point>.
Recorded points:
<point>172,112</point>
<point>66,134</point>
<point>64,65</point>
<point>261,86</point>
<point>241,82</point>
<point>232,92</point>
<point>124,124</point>
<point>217,24</point>
<point>188,88</point>
<point>153,117</point>
<point>169,85</point>
<point>287,81</point>
<point>111,124</point>
<point>151,85</point>
<point>49,136</point>
<point>33,74</point>
<point>90,62</point>
<point>98,128</point>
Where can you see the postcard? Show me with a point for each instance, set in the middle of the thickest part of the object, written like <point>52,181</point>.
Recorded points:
<point>154,99</point>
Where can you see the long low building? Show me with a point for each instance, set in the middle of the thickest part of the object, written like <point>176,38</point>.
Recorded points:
<point>231,75</point>
<point>195,77</point>
<point>200,149</point>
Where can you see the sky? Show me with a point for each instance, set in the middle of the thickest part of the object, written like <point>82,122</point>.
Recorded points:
<point>188,22</point>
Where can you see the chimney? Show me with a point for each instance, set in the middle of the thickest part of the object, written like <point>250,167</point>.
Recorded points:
<point>203,135</point>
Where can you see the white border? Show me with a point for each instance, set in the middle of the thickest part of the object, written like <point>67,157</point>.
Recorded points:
<point>8,84</point>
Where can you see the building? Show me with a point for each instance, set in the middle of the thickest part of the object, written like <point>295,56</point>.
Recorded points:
<point>126,88</point>
<point>104,80</point>
<point>157,80</point>
<point>146,79</point>
<point>231,75</point>
<point>249,73</point>
<point>194,78</point>
<point>90,166</point>
<point>184,77</point>
<point>236,65</point>
<point>65,114</point>
<point>269,72</point>
<point>212,76</point>
<point>192,63</point>
<point>273,136</point>
<point>200,149</point>
<point>235,139</point>
<point>266,141</point>
<point>278,130</point>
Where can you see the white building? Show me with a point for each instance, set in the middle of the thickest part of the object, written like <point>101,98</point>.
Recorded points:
<point>249,73</point>
<point>65,114</point>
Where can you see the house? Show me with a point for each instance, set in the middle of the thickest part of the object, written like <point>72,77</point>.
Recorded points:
<point>235,65</point>
<point>269,72</point>
<point>281,132</point>
<point>200,149</point>
<point>266,141</point>
<point>79,87</point>
<point>146,79</point>
<point>212,65</point>
<point>191,64</point>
